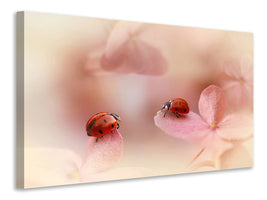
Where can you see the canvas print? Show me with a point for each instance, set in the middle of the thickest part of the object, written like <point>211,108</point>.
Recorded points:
<point>101,100</point>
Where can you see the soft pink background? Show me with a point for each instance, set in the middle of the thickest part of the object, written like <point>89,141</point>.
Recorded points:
<point>64,85</point>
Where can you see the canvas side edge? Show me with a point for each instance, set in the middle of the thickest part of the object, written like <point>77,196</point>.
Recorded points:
<point>19,99</point>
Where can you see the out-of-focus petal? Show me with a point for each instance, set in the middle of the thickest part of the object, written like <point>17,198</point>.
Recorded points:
<point>120,173</point>
<point>231,67</point>
<point>237,82</point>
<point>50,166</point>
<point>213,141</point>
<point>103,154</point>
<point>207,165</point>
<point>212,104</point>
<point>126,52</point>
<point>247,69</point>
<point>237,157</point>
<point>136,57</point>
<point>122,33</point>
<point>189,126</point>
<point>92,63</point>
<point>239,95</point>
<point>236,127</point>
<point>239,68</point>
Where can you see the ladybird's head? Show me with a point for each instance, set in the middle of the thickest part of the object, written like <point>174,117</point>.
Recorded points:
<point>89,127</point>
<point>166,105</point>
<point>117,117</point>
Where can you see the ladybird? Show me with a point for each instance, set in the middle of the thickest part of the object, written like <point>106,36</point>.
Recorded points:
<point>101,124</point>
<point>178,106</point>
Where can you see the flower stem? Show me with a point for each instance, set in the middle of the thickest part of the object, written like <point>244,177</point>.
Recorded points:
<point>196,156</point>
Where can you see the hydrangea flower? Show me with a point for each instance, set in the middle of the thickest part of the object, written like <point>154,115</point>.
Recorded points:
<point>211,129</point>
<point>57,166</point>
<point>237,82</point>
<point>128,52</point>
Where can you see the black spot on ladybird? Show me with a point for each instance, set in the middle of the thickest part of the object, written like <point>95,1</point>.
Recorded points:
<point>105,121</point>
<point>112,125</point>
<point>185,110</point>
<point>180,103</point>
<point>176,109</point>
<point>100,131</point>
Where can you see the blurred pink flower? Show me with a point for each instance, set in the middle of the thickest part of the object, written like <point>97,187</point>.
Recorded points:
<point>57,166</point>
<point>211,129</point>
<point>127,52</point>
<point>237,157</point>
<point>237,82</point>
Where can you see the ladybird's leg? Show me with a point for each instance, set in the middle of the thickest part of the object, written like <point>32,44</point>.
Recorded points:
<point>99,138</point>
<point>118,126</point>
<point>165,113</point>
<point>177,114</point>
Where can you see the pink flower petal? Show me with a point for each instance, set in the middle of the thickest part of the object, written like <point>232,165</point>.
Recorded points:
<point>212,104</point>
<point>189,127</point>
<point>126,52</point>
<point>213,141</point>
<point>50,166</point>
<point>237,157</point>
<point>239,68</point>
<point>231,68</point>
<point>236,127</point>
<point>103,154</point>
<point>121,33</point>
<point>206,165</point>
<point>92,63</point>
<point>238,83</point>
<point>246,64</point>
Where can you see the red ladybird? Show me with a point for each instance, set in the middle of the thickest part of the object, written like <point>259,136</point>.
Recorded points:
<point>101,124</point>
<point>177,106</point>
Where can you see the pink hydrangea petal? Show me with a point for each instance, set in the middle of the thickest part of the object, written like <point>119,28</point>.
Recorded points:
<point>240,97</point>
<point>103,154</point>
<point>136,57</point>
<point>121,33</point>
<point>236,127</point>
<point>206,165</point>
<point>229,84</point>
<point>92,63</point>
<point>247,69</point>
<point>50,166</point>
<point>238,84</point>
<point>213,141</point>
<point>126,52</point>
<point>119,173</point>
<point>212,104</point>
<point>237,157</point>
<point>231,68</point>
<point>189,127</point>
